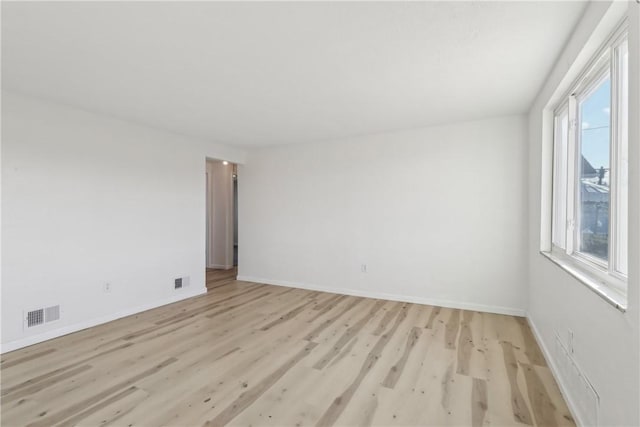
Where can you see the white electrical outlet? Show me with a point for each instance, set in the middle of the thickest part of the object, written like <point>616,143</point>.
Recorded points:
<point>363,268</point>
<point>106,287</point>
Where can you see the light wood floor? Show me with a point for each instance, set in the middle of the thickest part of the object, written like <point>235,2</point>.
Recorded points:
<point>217,277</point>
<point>249,354</point>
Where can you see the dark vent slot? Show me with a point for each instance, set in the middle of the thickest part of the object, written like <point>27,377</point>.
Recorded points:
<point>35,317</point>
<point>178,283</point>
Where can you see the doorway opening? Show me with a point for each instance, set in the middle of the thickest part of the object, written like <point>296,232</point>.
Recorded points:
<point>221,222</point>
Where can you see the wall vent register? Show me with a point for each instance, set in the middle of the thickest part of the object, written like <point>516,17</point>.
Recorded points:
<point>41,316</point>
<point>181,282</point>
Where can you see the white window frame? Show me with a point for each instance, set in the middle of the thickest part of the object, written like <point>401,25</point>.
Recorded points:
<point>604,276</point>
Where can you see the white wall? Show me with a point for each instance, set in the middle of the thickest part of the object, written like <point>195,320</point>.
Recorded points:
<point>88,200</point>
<point>220,214</point>
<point>438,215</point>
<point>606,340</point>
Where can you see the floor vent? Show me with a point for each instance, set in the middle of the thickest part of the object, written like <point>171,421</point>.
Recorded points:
<point>41,316</point>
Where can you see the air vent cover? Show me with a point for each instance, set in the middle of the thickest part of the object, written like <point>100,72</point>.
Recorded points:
<point>35,317</point>
<point>41,316</point>
<point>181,282</point>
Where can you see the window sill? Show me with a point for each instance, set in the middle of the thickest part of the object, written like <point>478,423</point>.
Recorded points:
<point>599,287</point>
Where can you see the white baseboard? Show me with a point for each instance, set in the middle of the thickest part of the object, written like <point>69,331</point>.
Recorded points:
<point>392,297</point>
<point>55,333</point>
<point>564,390</point>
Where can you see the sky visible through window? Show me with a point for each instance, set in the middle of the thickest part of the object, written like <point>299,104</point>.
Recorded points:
<point>596,112</point>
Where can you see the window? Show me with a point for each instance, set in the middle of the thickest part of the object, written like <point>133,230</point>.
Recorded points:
<point>590,168</point>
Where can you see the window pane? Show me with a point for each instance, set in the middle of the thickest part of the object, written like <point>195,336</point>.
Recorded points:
<point>593,209</point>
<point>622,165</point>
<point>560,139</point>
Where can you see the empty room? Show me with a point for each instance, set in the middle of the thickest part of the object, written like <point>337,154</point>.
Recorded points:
<point>307,213</point>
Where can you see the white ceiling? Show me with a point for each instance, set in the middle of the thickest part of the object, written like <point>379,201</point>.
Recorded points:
<point>270,73</point>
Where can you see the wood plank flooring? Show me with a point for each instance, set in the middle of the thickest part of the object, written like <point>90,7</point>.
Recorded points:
<point>251,354</point>
<point>216,277</point>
